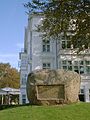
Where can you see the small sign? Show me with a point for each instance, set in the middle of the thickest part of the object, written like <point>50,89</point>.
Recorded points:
<point>50,92</point>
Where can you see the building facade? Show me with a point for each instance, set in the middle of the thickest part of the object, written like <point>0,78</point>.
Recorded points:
<point>51,54</point>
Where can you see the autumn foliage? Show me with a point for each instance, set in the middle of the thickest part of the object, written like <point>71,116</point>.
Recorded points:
<point>9,77</point>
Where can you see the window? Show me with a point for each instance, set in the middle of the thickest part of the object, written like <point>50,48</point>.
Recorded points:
<point>87,66</point>
<point>63,44</point>
<point>87,69</point>
<point>64,67</point>
<point>46,66</point>
<point>82,91</point>
<point>75,62</point>
<point>23,81</point>
<point>66,44</point>
<point>87,62</point>
<point>24,62</point>
<point>24,78</point>
<point>81,69</point>
<point>64,62</point>
<point>81,62</point>
<point>76,69</point>
<point>23,99</point>
<point>69,62</point>
<point>63,37</point>
<point>89,97</point>
<point>69,67</point>
<point>46,46</point>
<point>89,91</point>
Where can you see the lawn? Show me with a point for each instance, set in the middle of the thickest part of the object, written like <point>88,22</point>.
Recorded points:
<point>79,111</point>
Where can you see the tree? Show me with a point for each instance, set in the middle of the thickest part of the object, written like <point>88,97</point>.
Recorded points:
<point>64,16</point>
<point>9,77</point>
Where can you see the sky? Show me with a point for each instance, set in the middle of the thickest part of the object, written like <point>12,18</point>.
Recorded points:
<point>13,20</point>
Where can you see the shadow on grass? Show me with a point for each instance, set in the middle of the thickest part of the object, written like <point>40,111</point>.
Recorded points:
<point>3,107</point>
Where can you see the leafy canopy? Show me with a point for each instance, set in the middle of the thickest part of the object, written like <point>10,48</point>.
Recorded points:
<point>9,77</point>
<point>70,17</point>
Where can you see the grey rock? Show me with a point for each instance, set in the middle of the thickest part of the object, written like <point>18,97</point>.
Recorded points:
<point>51,87</point>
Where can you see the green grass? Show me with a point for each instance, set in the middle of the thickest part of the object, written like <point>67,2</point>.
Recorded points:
<point>79,111</point>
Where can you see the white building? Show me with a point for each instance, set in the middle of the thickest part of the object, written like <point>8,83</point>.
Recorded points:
<point>51,54</point>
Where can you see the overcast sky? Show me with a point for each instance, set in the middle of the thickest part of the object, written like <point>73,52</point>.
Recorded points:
<point>13,20</point>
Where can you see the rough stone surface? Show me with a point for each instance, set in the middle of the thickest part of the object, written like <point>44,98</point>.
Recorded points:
<point>51,87</point>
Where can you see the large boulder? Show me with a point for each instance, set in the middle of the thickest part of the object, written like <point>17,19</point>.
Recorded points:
<point>53,87</point>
